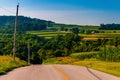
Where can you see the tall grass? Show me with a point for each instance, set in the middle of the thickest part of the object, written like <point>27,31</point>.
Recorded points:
<point>7,64</point>
<point>108,67</point>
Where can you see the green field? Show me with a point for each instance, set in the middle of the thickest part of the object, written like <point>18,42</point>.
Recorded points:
<point>110,31</point>
<point>99,36</point>
<point>49,34</point>
<point>88,27</point>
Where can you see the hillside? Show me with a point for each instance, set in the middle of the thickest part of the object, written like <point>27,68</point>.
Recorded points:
<point>25,23</point>
<point>34,24</point>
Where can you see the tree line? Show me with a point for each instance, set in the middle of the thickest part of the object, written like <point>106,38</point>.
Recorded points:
<point>110,27</point>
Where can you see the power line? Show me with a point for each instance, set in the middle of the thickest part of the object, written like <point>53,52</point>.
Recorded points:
<point>7,10</point>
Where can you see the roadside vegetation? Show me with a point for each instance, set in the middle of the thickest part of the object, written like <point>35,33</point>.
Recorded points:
<point>7,64</point>
<point>104,66</point>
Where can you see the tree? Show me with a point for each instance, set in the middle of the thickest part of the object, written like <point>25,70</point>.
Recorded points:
<point>35,59</point>
<point>75,30</point>
<point>110,26</point>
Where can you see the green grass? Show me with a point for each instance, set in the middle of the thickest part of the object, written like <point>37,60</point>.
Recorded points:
<point>107,67</point>
<point>89,27</point>
<point>7,64</point>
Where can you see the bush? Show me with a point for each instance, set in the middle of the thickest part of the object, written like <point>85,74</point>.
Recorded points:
<point>36,59</point>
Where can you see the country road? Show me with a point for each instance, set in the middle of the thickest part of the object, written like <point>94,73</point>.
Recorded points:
<point>56,72</point>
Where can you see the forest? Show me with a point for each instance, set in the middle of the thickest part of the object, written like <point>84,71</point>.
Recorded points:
<point>25,24</point>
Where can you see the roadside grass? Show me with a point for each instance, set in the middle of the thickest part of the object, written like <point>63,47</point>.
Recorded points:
<point>7,64</point>
<point>60,60</point>
<point>107,67</point>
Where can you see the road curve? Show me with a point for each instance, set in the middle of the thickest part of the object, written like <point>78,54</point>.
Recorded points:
<point>56,72</point>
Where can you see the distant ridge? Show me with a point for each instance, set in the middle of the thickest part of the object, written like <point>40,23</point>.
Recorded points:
<point>25,23</point>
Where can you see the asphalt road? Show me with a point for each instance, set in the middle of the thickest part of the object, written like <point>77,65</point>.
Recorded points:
<point>56,72</point>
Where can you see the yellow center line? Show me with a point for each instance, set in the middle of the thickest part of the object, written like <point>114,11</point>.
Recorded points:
<point>62,73</point>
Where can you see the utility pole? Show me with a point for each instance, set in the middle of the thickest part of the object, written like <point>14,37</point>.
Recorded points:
<point>28,53</point>
<point>15,28</point>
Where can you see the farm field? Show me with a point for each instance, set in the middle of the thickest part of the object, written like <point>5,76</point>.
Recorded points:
<point>99,36</point>
<point>110,31</point>
<point>96,36</point>
<point>47,34</point>
<point>80,27</point>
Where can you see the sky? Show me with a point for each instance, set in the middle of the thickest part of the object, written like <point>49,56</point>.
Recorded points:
<point>81,12</point>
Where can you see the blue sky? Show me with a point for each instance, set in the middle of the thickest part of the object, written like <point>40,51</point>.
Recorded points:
<point>84,12</point>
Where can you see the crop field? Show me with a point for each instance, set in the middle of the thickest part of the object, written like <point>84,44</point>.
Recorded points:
<point>107,35</point>
<point>81,27</point>
<point>110,31</point>
<point>99,36</point>
<point>89,27</point>
<point>47,34</point>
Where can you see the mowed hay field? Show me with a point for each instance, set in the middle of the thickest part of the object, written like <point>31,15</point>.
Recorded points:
<point>7,64</point>
<point>99,36</point>
<point>48,34</point>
